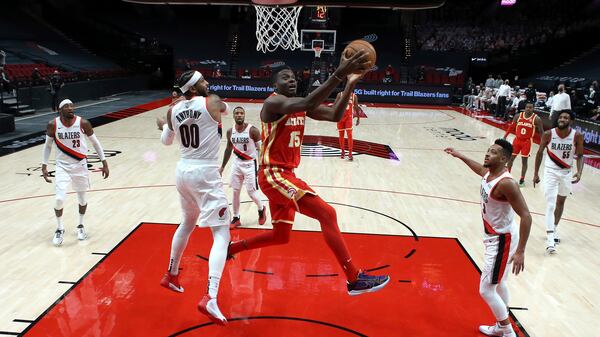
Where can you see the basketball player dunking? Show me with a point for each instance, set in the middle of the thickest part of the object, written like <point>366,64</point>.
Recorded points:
<point>244,140</point>
<point>345,125</point>
<point>504,243</point>
<point>561,144</point>
<point>67,131</point>
<point>524,125</point>
<point>283,118</point>
<point>194,121</point>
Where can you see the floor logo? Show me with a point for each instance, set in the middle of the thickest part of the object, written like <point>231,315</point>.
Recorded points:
<point>325,146</point>
<point>451,133</point>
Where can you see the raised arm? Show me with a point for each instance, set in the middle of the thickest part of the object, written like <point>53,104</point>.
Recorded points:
<point>275,106</point>
<point>215,107</point>
<point>473,165</point>
<point>510,191</point>
<point>335,113</point>
<point>89,132</point>
<point>546,136</point>
<point>579,153</point>
<point>227,153</point>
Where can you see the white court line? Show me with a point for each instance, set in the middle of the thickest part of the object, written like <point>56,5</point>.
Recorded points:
<point>77,107</point>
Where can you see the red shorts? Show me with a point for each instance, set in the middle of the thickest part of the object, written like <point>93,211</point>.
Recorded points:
<point>522,146</point>
<point>283,189</point>
<point>345,123</point>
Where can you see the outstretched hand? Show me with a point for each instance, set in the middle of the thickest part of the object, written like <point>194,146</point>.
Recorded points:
<point>452,152</point>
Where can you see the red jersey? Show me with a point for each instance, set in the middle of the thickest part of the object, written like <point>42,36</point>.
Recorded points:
<point>281,141</point>
<point>349,112</point>
<point>525,126</point>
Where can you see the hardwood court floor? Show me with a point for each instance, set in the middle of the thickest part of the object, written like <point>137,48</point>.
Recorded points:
<point>430,192</point>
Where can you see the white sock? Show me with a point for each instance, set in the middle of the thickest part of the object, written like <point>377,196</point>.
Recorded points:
<point>59,223</point>
<point>81,218</point>
<point>217,258</point>
<point>178,244</point>
<point>236,203</point>
<point>555,231</point>
<point>213,286</point>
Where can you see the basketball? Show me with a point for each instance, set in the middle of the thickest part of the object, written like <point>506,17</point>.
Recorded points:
<point>357,45</point>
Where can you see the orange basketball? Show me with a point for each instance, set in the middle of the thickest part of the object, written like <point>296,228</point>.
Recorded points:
<point>357,45</point>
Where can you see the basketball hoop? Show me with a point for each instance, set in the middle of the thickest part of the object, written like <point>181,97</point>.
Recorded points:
<point>317,52</point>
<point>276,25</point>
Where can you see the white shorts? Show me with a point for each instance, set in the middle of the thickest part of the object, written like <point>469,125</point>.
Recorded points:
<point>75,174</point>
<point>499,249</point>
<point>557,182</point>
<point>244,171</point>
<point>201,192</point>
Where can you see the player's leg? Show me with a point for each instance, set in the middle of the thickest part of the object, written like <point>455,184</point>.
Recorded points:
<point>551,194</point>
<point>510,162</point>
<point>62,182</point>
<point>558,211</point>
<point>212,202</point>
<point>81,183</point>
<point>237,177</point>
<point>189,218</point>
<point>358,282</point>
<point>251,183</point>
<point>492,285</point>
<point>524,161</point>
<point>525,153</point>
<point>216,263</point>
<point>350,143</point>
<point>282,218</point>
<point>341,140</point>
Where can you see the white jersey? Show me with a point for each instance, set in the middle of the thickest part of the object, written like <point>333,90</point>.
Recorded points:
<point>498,216</point>
<point>70,141</point>
<point>560,151</point>
<point>244,146</point>
<point>196,130</point>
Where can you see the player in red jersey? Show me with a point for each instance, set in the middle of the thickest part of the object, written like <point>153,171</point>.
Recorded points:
<point>346,123</point>
<point>283,117</point>
<point>524,126</point>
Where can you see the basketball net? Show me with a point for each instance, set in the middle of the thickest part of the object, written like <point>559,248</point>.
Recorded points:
<point>277,27</point>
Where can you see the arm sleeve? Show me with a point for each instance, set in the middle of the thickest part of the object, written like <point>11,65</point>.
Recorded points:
<point>167,135</point>
<point>47,150</point>
<point>97,146</point>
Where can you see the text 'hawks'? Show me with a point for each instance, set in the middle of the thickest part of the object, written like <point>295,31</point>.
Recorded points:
<point>185,114</point>
<point>562,147</point>
<point>295,121</point>
<point>69,135</point>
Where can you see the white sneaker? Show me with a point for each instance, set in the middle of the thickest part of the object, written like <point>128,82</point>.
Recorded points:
<point>81,234</point>
<point>550,248</point>
<point>57,240</point>
<point>496,330</point>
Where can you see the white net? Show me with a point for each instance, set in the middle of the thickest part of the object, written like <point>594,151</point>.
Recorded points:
<point>277,27</point>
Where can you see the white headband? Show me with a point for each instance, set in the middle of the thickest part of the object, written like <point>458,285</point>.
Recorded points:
<point>64,102</point>
<point>195,78</point>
